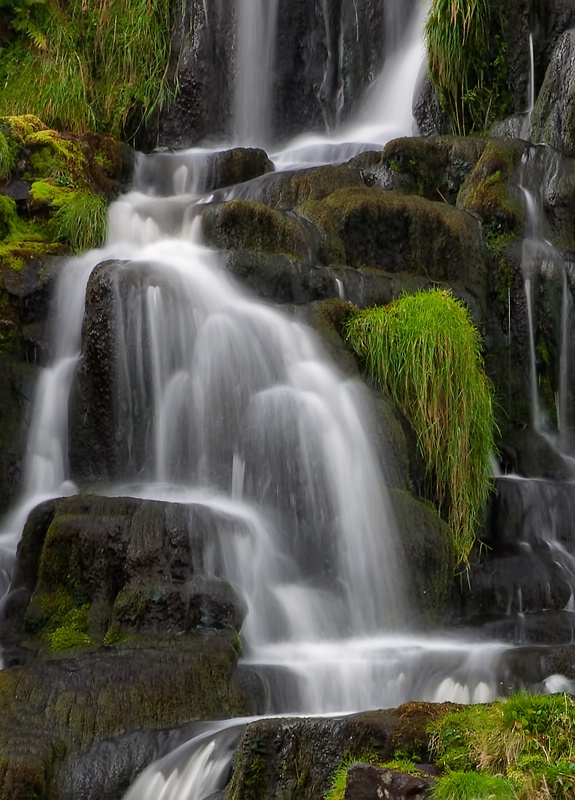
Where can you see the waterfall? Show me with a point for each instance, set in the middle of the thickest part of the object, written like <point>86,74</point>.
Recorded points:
<point>222,401</point>
<point>256,35</point>
<point>541,260</point>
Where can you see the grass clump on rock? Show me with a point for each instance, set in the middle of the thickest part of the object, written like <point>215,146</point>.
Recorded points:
<point>526,742</point>
<point>426,352</point>
<point>80,221</point>
<point>467,61</point>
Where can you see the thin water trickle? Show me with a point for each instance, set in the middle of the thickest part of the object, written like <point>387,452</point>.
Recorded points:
<point>256,37</point>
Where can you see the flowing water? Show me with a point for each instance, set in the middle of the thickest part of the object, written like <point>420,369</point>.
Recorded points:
<point>228,403</point>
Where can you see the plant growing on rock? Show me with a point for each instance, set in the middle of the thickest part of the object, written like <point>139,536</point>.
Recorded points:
<point>528,741</point>
<point>464,65</point>
<point>426,352</point>
<point>80,221</point>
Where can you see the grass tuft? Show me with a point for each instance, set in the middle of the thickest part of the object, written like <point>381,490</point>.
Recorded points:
<point>102,66</point>
<point>425,350</point>
<point>466,68</point>
<point>80,221</point>
<point>527,739</point>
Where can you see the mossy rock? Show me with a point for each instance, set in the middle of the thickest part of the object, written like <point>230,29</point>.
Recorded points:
<point>55,710</point>
<point>281,758</point>
<point>434,168</point>
<point>250,225</point>
<point>369,227</point>
<point>490,191</point>
<point>92,571</point>
<point>429,555</point>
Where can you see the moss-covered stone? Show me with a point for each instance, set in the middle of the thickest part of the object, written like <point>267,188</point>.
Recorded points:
<point>434,167</point>
<point>490,191</point>
<point>249,225</point>
<point>429,555</point>
<point>289,758</point>
<point>368,227</point>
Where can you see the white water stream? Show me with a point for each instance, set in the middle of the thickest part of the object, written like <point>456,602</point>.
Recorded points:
<point>235,406</point>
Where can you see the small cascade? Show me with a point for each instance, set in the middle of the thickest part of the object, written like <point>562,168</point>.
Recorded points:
<point>197,769</point>
<point>525,129</point>
<point>256,36</point>
<point>386,112</point>
<point>541,261</point>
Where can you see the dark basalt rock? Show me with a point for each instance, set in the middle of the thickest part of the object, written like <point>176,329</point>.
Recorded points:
<point>367,781</point>
<point>112,626</point>
<point>297,757</point>
<point>553,118</point>
<point>97,570</point>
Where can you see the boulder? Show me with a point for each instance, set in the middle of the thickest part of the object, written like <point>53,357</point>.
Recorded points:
<point>279,758</point>
<point>553,118</point>
<point>368,781</point>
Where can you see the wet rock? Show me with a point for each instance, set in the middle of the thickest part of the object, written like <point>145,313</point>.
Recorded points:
<point>553,118</point>
<point>248,225</point>
<point>169,173</point>
<point>433,168</point>
<point>77,702</point>
<point>201,62</point>
<point>297,758</point>
<point>428,555</point>
<point>368,227</point>
<point>367,782</point>
<point>94,571</point>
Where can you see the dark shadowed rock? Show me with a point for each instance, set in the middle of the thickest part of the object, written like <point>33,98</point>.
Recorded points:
<point>553,118</point>
<point>368,782</point>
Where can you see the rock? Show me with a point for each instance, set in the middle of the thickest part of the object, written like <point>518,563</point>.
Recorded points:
<point>428,555</point>
<point>433,168</point>
<point>248,225</point>
<point>553,118</point>
<point>279,758</point>
<point>368,782</point>
<point>188,171</point>
<point>93,571</point>
<point>368,227</point>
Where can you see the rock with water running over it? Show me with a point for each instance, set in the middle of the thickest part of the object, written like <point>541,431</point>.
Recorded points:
<point>111,625</point>
<point>95,571</point>
<point>279,758</point>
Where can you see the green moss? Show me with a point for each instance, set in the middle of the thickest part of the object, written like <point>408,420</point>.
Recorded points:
<point>528,740</point>
<point>44,193</point>
<point>249,225</point>
<point>71,632</point>
<point>56,157</point>
<point>8,216</point>
<point>22,126</point>
<point>473,786</point>
<point>425,350</point>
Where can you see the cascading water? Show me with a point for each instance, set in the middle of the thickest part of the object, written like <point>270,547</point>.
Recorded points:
<point>256,36</point>
<point>223,402</point>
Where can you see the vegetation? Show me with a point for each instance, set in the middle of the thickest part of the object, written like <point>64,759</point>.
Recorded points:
<point>338,781</point>
<point>425,350</point>
<point>80,221</point>
<point>85,66</point>
<point>467,61</point>
<point>527,741</point>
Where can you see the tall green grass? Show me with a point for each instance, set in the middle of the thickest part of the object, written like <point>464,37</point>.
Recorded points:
<point>527,740</point>
<point>463,62</point>
<point>99,66</point>
<point>80,221</point>
<point>426,352</point>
